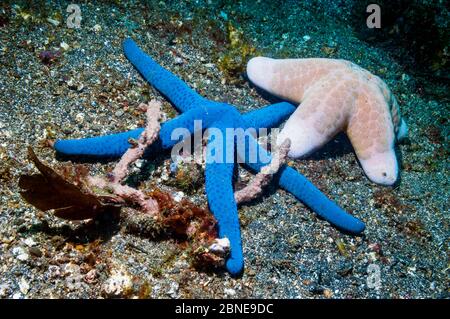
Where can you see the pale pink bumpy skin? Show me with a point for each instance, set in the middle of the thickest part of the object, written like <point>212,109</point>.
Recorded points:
<point>335,95</point>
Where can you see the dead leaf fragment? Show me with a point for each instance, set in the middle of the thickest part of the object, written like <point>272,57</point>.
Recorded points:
<point>49,190</point>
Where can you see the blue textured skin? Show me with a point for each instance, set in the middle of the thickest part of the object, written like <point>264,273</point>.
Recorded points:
<point>218,181</point>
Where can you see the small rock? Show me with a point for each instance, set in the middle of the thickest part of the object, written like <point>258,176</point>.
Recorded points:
<point>432,286</point>
<point>20,253</point>
<point>29,242</point>
<point>71,269</point>
<point>19,221</point>
<point>75,85</point>
<point>139,163</point>
<point>67,130</point>
<point>79,118</point>
<point>24,286</point>
<point>372,256</point>
<point>229,292</point>
<point>71,84</point>
<point>96,127</point>
<point>220,246</point>
<point>178,60</point>
<point>306,38</point>
<point>74,282</point>
<point>53,22</point>
<point>376,247</point>
<point>119,113</point>
<point>327,293</point>
<point>97,28</point>
<point>53,271</point>
<point>91,276</point>
<point>164,176</point>
<point>181,264</point>
<point>34,251</point>
<point>119,283</point>
<point>6,133</point>
<point>80,87</point>
<point>178,196</point>
<point>251,272</point>
<point>64,45</point>
<point>4,290</point>
<point>173,290</point>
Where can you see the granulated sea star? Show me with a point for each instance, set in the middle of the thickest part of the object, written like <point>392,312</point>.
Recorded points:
<point>335,95</point>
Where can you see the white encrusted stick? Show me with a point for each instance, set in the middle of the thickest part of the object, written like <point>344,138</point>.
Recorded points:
<point>148,136</point>
<point>120,172</point>
<point>256,185</point>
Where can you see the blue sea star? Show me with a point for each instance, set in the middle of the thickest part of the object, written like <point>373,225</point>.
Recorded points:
<point>219,173</point>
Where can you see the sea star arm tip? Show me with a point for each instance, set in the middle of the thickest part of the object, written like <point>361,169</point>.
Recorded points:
<point>306,192</point>
<point>102,146</point>
<point>218,185</point>
<point>177,91</point>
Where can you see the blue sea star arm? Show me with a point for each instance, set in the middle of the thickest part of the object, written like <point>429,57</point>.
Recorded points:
<point>219,187</point>
<point>181,95</point>
<point>269,116</point>
<point>114,145</point>
<point>303,189</point>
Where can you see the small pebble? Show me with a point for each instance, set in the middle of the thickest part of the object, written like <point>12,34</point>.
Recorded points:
<point>97,28</point>
<point>53,22</point>
<point>4,290</point>
<point>29,242</point>
<point>327,293</point>
<point>65,46</point>
<point>119,283</point>
<point>34,251</point>
<point>139,163</point>
<point>53,271</point>
<point>173,290</point>
<point>229,292</point>
<point>91,276</point>
<point>79,118</point>
<point>67,130</point>
<point>24,286</point>
<point>178,196</point>
<point>20,253</point>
